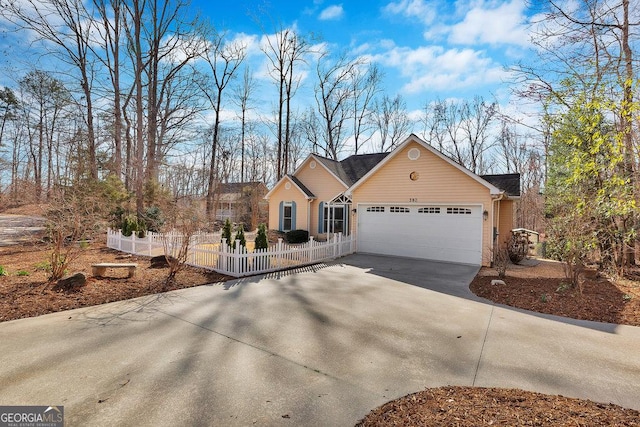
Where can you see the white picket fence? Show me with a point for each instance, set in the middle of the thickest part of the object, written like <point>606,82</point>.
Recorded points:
<point>208,250</point>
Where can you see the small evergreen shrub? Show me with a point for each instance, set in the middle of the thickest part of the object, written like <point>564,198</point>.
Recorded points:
<point>261,241</point>
<point>153,219</point>
<point>3,271</point>
<point>240,237</point>
<point>297,236</point>
<point>130,225</point>
<point>226,232</point>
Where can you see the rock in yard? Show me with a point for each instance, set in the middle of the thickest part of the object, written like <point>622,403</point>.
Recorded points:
<point>497,282</point>
<point>71,283</point>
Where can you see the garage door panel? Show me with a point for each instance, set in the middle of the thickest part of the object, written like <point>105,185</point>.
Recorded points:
<point>430,234</point>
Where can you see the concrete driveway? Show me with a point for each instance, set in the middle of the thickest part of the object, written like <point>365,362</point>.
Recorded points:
<point>16,229</point>
<point>319,346</point>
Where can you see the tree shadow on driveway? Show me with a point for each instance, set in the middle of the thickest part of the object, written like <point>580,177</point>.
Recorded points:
<point>447,278</point>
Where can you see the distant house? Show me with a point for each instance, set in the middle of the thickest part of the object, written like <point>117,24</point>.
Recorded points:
<point>413,202</point>
<point>242,202</point>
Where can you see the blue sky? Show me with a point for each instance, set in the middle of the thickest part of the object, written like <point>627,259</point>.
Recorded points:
<point>427,49</point>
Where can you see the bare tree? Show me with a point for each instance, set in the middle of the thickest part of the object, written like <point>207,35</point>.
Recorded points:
<point>391,121</point>
<point>365,86</point>
<point>285,50</point>
<point>111,15</point>
<point>67,25</point>
<point>183,221</point>
<point>243,97</point>
<point>477,116</point>
<point>461,129</point>
<point>223,60</point>
<point>44,101</point>
<point>333,92</point>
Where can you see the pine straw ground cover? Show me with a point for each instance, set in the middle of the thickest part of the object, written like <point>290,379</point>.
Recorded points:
<point>24,293</point>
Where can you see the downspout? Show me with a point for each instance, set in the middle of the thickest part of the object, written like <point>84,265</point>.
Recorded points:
<point>495,222</point>
<point>309,215</point>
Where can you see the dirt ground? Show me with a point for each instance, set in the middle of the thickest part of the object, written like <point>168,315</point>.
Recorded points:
<point>25,293</point>
<point>541,286</point>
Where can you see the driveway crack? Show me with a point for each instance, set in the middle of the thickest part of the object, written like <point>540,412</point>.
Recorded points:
<point>484,341</point>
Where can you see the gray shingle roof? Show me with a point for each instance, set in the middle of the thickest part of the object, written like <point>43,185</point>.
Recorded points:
<point>299,183</point>
<point>509,183</point>
<point>351,169</point>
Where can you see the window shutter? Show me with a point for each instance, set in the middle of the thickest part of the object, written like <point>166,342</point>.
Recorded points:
<point>293,216</point>
<point>281,216</point>
<point>321,218</point>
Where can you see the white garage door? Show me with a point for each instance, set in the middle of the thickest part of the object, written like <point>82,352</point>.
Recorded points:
<point>437,232</point>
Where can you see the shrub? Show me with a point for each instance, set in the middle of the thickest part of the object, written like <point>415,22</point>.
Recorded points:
<point>501,260</point>
<point>226,232</point>
<point>153,219</point>
<point>518,247</point>
<point>261,241</point>
<point>22,273</point>
<point>3,271</point>
<point>131,225</point>
<point>297,236</point>
<point>240,237</point>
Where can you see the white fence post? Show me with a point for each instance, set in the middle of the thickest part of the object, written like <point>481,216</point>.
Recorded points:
<point>238,262</point>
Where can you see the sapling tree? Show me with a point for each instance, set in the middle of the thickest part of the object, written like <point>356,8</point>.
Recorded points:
<point>261,241</point>
<point>74,216</point>
<point>180,225</point>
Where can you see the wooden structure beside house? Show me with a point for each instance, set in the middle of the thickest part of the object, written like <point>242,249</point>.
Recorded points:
<point>412,202</point>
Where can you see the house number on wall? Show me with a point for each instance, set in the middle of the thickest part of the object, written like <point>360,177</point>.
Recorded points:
<point>412,200</point>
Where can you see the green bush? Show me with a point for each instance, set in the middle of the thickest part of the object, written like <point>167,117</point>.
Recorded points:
<point>261,241</point>
<point>240,237</point>
<point>153,219</point>
<point>3,271</point>
<point>130,225</point>
<point>226,232</point>
<point>22,273</point>
<point>297,236</point>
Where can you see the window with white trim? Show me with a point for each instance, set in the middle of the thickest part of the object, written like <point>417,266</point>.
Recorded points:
<point>375,209</point>
<point>334,216</point>
<point>429,210</point>
<point>398,209</point>
<point>459,211</point>
<point>287,211</point>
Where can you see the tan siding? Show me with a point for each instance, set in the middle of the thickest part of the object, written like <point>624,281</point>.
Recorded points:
<point>293,194</point>
<point>506,221</point>
<point>438,182</point>
<point>324,187</point>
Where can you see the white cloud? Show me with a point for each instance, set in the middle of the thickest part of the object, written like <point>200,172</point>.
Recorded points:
<point>412,9</point>
<point>332,13</point>
<point>435,68</point>
<point>493,24</point>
